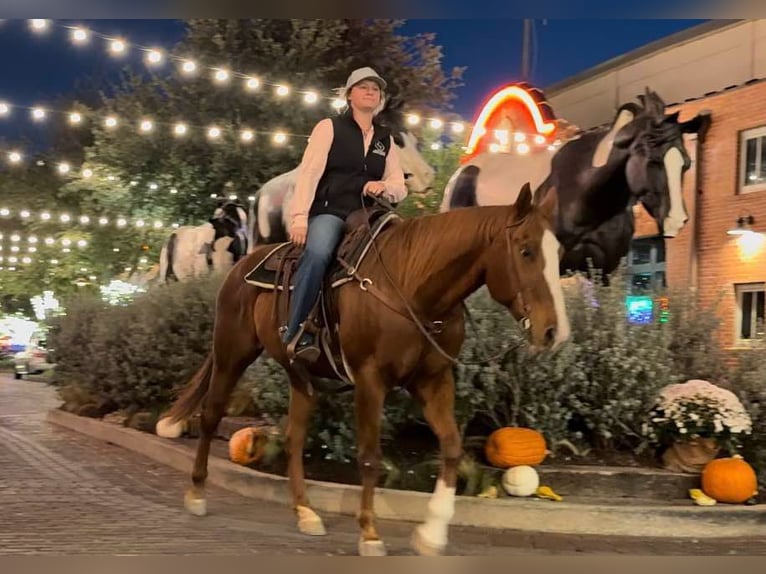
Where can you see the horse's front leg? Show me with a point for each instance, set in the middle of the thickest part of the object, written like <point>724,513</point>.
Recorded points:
<point>437,396</point>
<point>370,394</point>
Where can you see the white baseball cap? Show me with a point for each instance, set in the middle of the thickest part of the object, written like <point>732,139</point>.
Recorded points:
<point>361,74</point>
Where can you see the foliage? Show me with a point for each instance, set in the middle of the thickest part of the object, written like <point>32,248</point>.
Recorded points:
<point>134,357</point>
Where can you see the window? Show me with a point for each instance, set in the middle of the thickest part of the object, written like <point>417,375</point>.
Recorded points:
<point>752,162</point>
<point>646,265</point>
<point>750,311</point>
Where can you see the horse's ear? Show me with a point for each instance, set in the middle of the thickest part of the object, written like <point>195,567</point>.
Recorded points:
<point>548,204</point>
<point>524,201</point>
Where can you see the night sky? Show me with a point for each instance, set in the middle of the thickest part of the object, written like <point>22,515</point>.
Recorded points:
<point>39,69</point>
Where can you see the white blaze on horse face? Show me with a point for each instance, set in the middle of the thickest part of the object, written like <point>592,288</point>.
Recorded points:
<point>674,164</point>
<point>604,148</point>
<point>421,174</point>
<point>441,508</point>
<point>551,271</point>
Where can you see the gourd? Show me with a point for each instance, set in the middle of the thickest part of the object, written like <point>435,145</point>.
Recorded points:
<point>729,480</point>
<point>246,446</point>
<point>515,446</point>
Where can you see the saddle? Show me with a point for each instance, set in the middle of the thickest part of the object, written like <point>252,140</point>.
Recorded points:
<point>276,272</point>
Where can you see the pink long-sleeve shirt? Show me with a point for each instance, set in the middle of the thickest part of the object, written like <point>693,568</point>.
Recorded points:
<point>313,165</point>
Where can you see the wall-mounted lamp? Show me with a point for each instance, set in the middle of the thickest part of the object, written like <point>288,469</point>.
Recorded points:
<point>744,225</point>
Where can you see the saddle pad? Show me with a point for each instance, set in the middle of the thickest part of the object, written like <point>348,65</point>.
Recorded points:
<point>263,275</point>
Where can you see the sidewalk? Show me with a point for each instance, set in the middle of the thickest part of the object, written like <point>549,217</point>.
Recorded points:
<point>63,493</point>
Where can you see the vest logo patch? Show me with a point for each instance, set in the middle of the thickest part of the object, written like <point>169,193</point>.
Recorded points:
<point>379,149</point>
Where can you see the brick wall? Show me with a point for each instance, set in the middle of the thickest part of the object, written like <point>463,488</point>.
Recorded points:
<point>722,259</point>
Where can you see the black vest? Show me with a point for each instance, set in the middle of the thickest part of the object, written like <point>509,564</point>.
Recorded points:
<point>339,191</point>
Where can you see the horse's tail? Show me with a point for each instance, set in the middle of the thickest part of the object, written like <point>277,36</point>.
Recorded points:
<point>172,422</point>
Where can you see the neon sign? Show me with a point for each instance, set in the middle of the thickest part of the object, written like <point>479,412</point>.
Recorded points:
<point>518,109</point>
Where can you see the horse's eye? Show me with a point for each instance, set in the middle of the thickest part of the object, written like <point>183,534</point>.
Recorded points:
<point>526,253</point>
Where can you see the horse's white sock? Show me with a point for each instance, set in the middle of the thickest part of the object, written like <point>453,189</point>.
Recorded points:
<point>441,508</point>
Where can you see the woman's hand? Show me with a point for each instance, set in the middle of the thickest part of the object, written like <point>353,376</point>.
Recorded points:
<point>298,235</point>
<point>374,188</point>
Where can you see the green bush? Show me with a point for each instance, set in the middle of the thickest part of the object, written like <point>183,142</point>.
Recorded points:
<point>133,357</point>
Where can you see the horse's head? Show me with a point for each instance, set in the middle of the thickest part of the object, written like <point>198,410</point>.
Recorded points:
<point>657,159</point>
<point>230,220</point>
<point>523,273</point>
<point>418,174</point>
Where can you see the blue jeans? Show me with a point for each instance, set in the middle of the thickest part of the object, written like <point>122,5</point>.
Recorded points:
<point>325,233</point>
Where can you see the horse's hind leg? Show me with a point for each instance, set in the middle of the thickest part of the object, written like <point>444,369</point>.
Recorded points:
<point>302,403</point>
<point>369,395</point>
<point>437,395</point>
<point>233,352</point>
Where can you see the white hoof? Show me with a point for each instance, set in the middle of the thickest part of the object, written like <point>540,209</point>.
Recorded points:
<point>194,505</point>
<point>371,548</point>
<point>309,522</point>
<point>165,429</point>
<point>425,547</point>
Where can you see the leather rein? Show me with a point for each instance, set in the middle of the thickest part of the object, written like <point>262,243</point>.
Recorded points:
<point>431,328</point>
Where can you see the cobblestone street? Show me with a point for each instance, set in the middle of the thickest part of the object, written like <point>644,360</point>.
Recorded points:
<point>65,493</point>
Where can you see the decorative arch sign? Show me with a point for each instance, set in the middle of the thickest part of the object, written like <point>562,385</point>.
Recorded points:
<point>516,116</point>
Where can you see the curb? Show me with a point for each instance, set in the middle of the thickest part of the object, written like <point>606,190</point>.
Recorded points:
<point>683,521</point>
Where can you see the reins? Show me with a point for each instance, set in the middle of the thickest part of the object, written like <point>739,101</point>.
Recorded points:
<point>366,284</point>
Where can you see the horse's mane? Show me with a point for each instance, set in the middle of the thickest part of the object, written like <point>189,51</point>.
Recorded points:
<point>414,245</point>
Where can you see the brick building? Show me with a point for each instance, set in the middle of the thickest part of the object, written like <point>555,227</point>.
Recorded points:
<point>720,67</point>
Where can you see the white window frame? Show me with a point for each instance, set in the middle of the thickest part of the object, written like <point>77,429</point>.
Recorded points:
<point>739,290</point>
<point>743,139</point>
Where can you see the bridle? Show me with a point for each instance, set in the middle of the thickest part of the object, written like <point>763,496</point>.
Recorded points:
<point>366,284</point>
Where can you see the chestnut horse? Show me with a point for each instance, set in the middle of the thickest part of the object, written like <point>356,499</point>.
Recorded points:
<point>428,264</point>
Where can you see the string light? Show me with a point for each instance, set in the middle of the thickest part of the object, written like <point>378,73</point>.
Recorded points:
<point>188,67</point>
<point>79,35</point>
<point>280,138</point>
<point>221,75</point>
<point>413,119</point>
<point>214,132</point>
<point>87,172</point>
<point>246,136</point>
<point>146,126</point>
<point>154,56</point>
<point>5,109</point>
<point>180,129</point>
<point>14,157</point>
<point>118,47</point>
<point>63,168</point>
<point>38,114</point>
<point>39,25</point>
<point>435,124</point>
<point>75,118</point>
<point>110,122</point>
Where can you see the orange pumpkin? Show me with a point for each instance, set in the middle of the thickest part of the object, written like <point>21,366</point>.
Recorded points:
<point>729,480</point>
<point>246,446</point>
<point>515,446</point>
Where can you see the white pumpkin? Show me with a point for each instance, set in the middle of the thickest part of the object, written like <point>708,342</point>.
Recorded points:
<point>521,480</point>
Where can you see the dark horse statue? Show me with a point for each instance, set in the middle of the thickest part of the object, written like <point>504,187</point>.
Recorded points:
<point>428,266</point>
<point>599,176</point>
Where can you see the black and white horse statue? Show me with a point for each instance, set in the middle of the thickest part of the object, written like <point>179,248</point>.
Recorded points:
<point>598,177</point>
<point>213,246</point>
<point>269,222</point>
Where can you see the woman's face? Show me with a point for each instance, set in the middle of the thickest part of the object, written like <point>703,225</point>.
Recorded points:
<point>365,96</point>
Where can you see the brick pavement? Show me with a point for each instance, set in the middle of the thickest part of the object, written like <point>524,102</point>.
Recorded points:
<point>65,493</point>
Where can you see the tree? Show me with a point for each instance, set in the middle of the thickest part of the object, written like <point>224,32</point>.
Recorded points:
<point>157,176</point>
